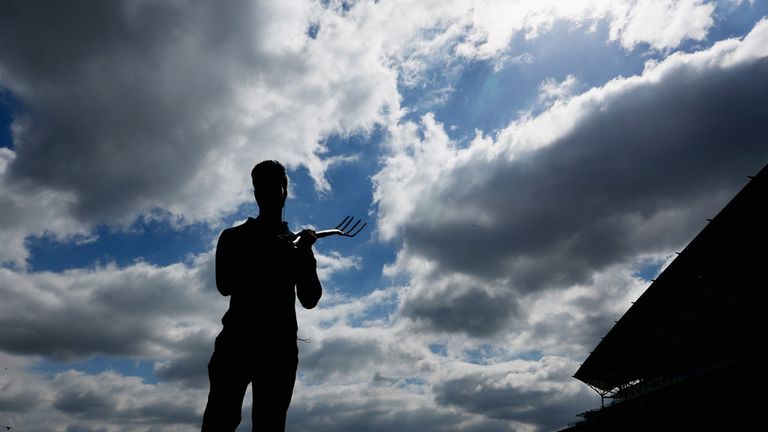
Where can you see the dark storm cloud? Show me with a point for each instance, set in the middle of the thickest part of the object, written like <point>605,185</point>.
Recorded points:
<point>82,428</point>
<point>574,333</point>
<point>546,401</point>
<point>189,369</point>
<point>336,357</point>
<point>168,412</point>
<point>73,337</point>
<point>592,184</point>
<point>18,400</point>
<point>114,96</point>
<point>639,173</point>
<point>372,414</point>
<point>454,308</point>
<point>136,311</point>
<point>160,108</point>
<point>84,403</point>
<point>188,366</point>
<point>121,399</point>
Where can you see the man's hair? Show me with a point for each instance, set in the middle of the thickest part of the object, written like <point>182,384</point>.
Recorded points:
<point>268,171</point>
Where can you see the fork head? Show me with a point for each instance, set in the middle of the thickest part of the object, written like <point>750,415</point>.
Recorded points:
<point>347,230</point>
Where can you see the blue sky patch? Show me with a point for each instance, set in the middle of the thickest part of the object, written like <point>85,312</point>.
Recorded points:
<point>98,364</point>
<point>156,242</point>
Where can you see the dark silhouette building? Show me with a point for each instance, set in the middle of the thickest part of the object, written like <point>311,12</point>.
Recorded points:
<point>687,353</point>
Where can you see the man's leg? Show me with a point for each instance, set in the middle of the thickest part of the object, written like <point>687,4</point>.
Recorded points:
<point>272,391</point>
<point>228,382</point>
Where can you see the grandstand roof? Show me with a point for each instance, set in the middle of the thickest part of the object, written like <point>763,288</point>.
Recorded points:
<point>702,309</point>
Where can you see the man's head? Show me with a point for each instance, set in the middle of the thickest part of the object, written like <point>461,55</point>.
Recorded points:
<point>270,185</point>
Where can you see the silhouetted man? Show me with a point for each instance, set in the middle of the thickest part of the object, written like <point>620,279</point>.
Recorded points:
<point>260,267</point>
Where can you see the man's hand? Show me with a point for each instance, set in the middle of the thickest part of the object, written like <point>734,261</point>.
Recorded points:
<point>307,238</point>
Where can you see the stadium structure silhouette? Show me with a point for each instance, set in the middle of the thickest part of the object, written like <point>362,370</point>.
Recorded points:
<point>687,353</point>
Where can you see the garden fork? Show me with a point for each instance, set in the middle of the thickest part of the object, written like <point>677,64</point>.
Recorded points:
<point>342,229</point>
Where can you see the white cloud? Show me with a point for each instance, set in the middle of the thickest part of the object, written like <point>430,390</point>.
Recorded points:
<point>163,114</point>
<point>517,259</point>
<point>551,91</point>
<point>166,315</point>
<point>31,211</point>
<point>105,401</point>
<point>375,377</point>
<point>333,262</point>
<point>379,376</point>
<point>628,169</point>
<point>126,401</point>
<point>518,391</point>
<point>380,404</point>
<point>140,311</point>
<point>662,24</point>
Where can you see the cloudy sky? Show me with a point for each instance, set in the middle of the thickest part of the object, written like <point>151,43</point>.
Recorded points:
<point>525,167</point>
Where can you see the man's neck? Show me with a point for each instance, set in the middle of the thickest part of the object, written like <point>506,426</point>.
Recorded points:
<point>271,219</point>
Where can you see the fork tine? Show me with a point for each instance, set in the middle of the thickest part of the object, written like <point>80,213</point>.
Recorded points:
<point>358,230</point>
<point>344,228</point>
<point>343,222</point>
<point>346,225</point>
<point>347,231</point>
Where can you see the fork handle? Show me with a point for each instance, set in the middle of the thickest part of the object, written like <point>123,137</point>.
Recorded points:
<point>329,232</point>
<point>321,234</point>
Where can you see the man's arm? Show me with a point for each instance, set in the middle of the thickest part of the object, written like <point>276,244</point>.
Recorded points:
<point>308,287</point>
<point>224,276</point>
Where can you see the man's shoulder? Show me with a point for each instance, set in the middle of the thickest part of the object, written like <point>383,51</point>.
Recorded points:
<point>239,230</point>
<point>245,225</point>
<point>253,228</point>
